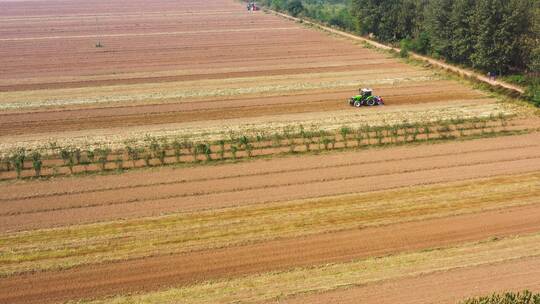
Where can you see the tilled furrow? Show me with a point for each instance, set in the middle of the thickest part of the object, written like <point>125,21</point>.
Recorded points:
<point>270,182</point>
<point>176,270</point>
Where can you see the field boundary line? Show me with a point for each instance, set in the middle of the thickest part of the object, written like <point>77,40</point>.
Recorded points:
<point>454,69</point>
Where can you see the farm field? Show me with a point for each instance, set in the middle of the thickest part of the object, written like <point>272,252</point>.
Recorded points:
<point>293,196</point>
<point>163,72</point>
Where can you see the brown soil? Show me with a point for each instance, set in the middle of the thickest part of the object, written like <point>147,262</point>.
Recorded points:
<point>57,167</point>
<point>109,117</point>
<point>44,49</point>
<point>448,287</point>
<point>143,193</point>
<point>50,45</point>
<point>182,189</point>
<point>157,272</point>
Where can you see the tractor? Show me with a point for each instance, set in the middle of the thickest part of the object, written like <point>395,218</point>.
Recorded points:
<point>366,98</point>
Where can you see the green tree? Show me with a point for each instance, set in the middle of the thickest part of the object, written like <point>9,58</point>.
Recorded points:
<point>103,156</point>
<point>379,134</point>
<point>207,152</point>
<point>188,145</point>
<point>17,160</point>
<point>77,155</point>
<point>518,23</point>
<point>463,38</point>
<point>221,143</point>
<point>388,20</point>
<point>295,7</point>
<point>154,147</point>
<point>533,64</point>
<point>234,150</point>
<point>278,5</point>
<point>161,155</point>
<point>244,142</point>
<point>177,147</point>
<point>133,154</point>
<point>500,27</point>
<point>532,42</point>
<point>409,18</point>
<point>37,163</point>
<point>147,157</point>
<point>90,156</point>
<point>119,161</point>
<point>367,12</point>
<point>421,44</point>
<point>437,26</point>
<point>345,131</point>
<point>490,35</point>
<point>359,136</point>
<point>71,162</point>
<point>66,155</point>
<point>195,152</point>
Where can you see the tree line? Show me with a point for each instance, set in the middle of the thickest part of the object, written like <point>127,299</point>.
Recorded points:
<point>155,151</point>
<point>501,36</point>
<point>331,12</point>
<point>498,36</point>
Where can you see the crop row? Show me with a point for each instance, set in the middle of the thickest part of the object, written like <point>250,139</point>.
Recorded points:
<point>162,151</point>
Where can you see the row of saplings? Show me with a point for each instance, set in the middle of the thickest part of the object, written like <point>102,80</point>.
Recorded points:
<point>291,140</point>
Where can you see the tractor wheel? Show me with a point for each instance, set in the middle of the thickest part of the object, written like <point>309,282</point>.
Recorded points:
<point>371,102</point>
<point>358,103</point>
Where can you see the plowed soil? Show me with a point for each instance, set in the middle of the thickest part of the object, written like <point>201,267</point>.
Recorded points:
<point>142,193</point>
<point>46,49</point>
<point>109,117</point>
<point>159,272</point>
<point>444,287</point>
<point>171,65</point>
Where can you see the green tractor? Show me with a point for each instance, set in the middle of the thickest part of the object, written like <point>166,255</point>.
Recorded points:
<point>366,98</point>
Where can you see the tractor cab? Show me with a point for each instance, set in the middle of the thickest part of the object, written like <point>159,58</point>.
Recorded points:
<point>366,92</point>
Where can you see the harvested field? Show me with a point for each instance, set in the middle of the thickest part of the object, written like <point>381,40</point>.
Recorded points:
<point>145,193</point>
<point>169,73</point>
<point>266,212</point>
<point>300,280</point>
<point>151,152</point>
<point>259,223</point>
<point>115,137</point>
<point>155,272</point>
<point>447,287</point>
<point>64,120</point>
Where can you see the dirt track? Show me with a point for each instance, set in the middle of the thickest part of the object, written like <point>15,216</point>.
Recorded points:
<point>98,198</point>
<point>156,272</point>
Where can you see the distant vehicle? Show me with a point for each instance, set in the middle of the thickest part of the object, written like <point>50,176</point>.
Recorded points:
<point>252,6</point>
<point>366,98</point>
